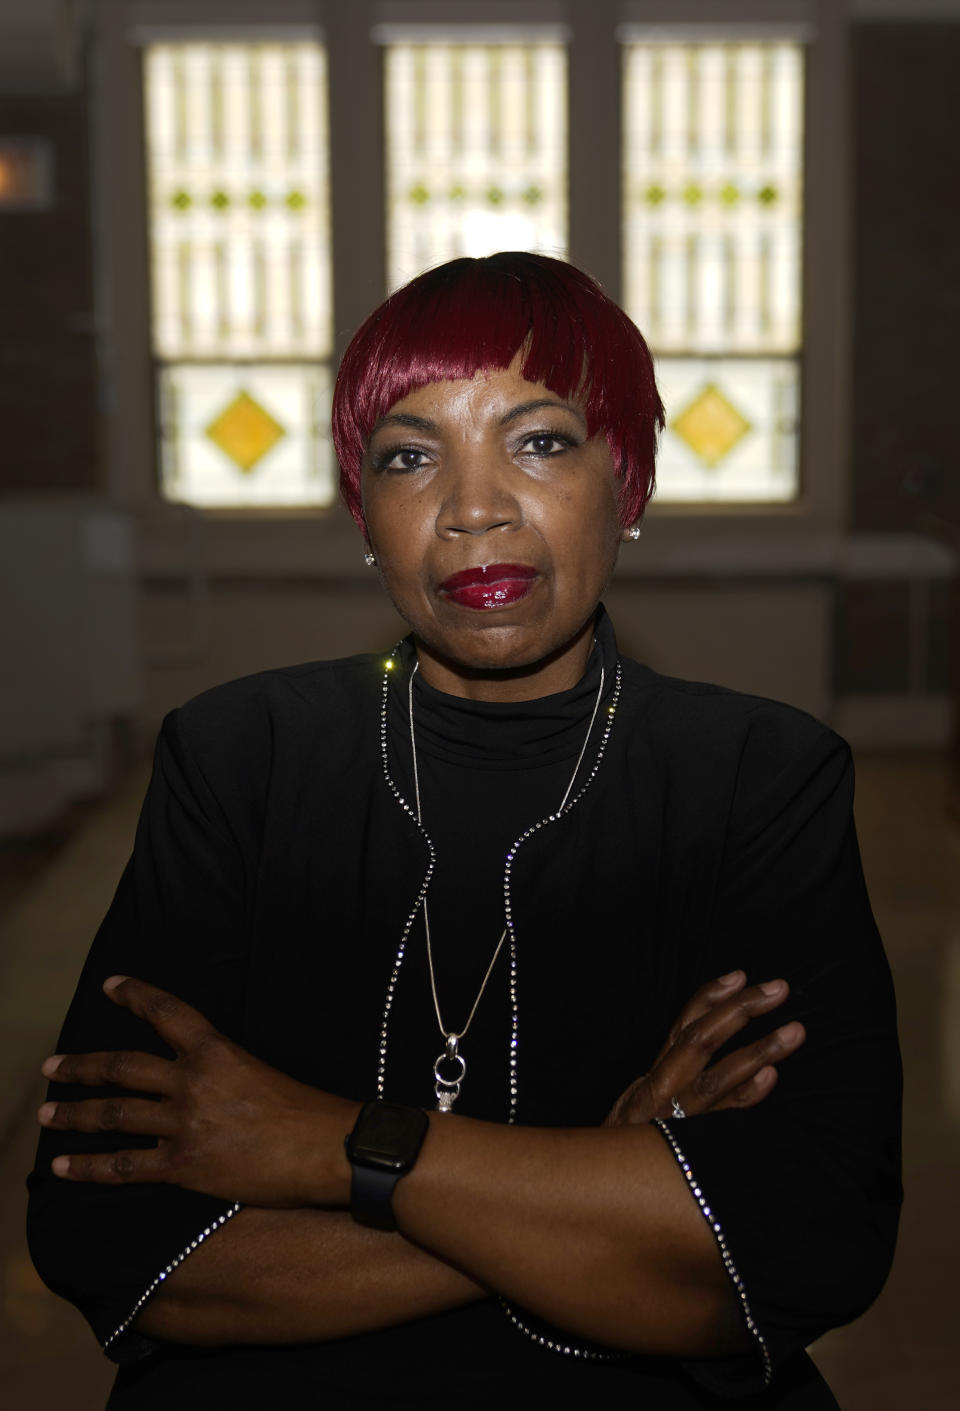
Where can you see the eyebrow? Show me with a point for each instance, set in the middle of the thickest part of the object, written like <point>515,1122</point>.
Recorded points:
<point>422,423</point>
<point>553,402</point>
<point>418,423</point>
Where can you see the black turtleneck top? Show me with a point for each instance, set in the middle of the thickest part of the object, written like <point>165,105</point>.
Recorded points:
<point>488,772</point>
<point>271,880</point>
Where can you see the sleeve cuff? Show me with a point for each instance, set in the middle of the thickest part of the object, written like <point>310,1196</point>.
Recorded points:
<point>728,1262</point>
<point>121,1345</point>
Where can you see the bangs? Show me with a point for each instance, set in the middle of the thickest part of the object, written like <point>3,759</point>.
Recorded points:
<point>473,315</point>
<point>471,320</point>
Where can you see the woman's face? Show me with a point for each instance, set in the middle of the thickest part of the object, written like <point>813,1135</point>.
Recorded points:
<point>494,522</point>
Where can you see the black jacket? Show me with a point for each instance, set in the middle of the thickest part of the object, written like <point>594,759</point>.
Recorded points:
<point>271,878</point>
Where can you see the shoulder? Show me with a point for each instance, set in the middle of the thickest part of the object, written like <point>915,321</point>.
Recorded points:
<point>697,710</point>
<point>247,718</point>
<point>311,686</point>
<point>756,745</point>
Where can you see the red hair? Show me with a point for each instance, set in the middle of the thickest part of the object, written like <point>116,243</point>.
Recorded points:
<point>471,315</point>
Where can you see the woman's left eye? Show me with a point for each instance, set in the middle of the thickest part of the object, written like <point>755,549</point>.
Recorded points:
<point>546,443</point>
<point>399,458</point>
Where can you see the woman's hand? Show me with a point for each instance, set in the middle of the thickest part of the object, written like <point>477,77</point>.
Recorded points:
<point>683,1071</point>
<point>228,1125</point>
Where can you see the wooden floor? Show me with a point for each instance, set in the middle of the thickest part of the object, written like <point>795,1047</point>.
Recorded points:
<point>905,1353</point>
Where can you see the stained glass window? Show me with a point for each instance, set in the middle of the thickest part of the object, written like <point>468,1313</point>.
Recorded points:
<point>713,136</point>
<point>239,236</point>
<point>475,151</point>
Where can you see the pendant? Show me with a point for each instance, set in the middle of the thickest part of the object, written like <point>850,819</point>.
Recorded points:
<point>448,1089</point>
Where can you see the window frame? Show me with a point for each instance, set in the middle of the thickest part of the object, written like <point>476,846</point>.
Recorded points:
<point>322,543</point>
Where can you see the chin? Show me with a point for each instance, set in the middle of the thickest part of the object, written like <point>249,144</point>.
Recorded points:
<point>499,648</point>
<point>488,658</point>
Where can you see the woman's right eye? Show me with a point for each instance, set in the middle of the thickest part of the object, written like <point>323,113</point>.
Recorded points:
<point>399,458</point>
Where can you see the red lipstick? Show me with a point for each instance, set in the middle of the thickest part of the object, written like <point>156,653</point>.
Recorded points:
<point>491,585</point>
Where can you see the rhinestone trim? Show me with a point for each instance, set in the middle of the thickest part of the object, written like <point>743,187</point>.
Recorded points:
<point>411,813</point>
<point>174,1264</point>
<point>725,1254</point>
<point>566,1349</point>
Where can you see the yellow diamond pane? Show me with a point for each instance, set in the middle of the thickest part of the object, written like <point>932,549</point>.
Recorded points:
<point>475,151</point>
<point>244,431</point>
<point>712,194</point>
<point>710,425</point>
<point>246,435</point>
<point>731,432</point>
<point>238,200</point>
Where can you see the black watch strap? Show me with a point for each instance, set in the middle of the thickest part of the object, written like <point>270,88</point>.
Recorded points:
<point>371,1196</point>
<point>382,1147</point>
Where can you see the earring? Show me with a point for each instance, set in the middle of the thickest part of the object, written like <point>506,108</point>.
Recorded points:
<point>369,559</point>
<point>633,532</point>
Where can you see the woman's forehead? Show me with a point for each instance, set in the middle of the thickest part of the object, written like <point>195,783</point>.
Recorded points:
<point>491,383</point>
<point>490,392</point>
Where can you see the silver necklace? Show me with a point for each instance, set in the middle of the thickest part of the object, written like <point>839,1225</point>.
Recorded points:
<point>447,1088</point>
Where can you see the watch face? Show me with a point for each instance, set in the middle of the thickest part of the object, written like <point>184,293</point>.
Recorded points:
<point>387,1135</point>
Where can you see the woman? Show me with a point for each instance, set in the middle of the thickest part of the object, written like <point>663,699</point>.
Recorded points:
<point>484,876</point>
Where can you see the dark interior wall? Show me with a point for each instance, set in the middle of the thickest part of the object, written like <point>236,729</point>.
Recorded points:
<point>906,447</point>
<point>48,384</point>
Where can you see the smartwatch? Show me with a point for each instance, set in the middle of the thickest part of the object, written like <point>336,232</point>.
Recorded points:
<point>383,1146</point>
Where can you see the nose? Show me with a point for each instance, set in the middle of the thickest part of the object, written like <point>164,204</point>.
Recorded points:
<point>477,496</point>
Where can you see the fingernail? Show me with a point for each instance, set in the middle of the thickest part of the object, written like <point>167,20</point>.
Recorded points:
<point>790,1032</point>
<point>772,987</point>
<point>730,979</point>
<point>50,1065</point>
<point>114,981</point>
<point>46,1112</point>
<point>60,1165</point>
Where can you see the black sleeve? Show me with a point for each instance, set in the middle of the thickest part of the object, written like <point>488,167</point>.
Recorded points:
<point>802,1192</point>
<point>178,920</point>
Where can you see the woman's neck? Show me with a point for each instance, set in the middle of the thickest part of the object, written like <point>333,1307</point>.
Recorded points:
<point>546,677</point>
